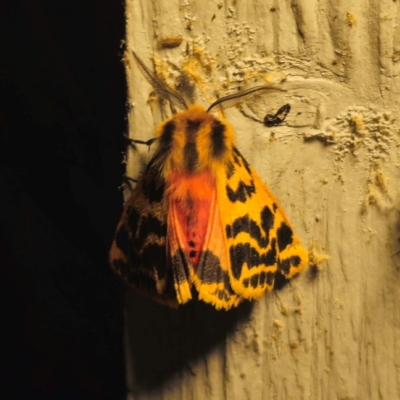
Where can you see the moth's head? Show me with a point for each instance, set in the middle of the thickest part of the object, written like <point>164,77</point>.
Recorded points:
<point>177,100</point>
<point>193,139</point>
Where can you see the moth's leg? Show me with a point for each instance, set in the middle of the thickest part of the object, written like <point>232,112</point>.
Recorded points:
<point>147,142</point>
<point>126,180</point>
<point>132,142</point>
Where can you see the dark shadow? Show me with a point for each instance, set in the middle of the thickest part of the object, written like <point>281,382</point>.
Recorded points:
<point>163,342</point>
<point>63,333</point>
<point>62,110</point>
<point>280,281</point>
<point>313,271</point>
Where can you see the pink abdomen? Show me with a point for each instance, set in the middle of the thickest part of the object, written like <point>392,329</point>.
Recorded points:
<point>190,196</point>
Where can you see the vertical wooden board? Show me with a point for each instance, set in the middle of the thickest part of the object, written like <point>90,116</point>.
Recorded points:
<point>332,333</point>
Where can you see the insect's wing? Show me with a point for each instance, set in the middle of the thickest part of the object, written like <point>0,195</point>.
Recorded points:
<point>260,241</point>
<point>211,276</point>
<point>178,258</point>
<point>139,252</point>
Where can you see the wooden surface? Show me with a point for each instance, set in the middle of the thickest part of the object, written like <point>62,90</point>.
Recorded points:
<point>333,333</point>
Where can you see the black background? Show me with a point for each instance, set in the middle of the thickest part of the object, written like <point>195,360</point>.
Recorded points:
<point>62,108</point>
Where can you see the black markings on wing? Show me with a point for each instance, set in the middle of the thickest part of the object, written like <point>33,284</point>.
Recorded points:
<point>164,146</point>
<point>280,280</point>
<point>151,186</point>
<point>210,272</point>
<point>179,266</point>
<point>257,232</point>
<point>241,193</point>
<point>244,253</point>
<point>285,236</point>
<point>121,238</point>
<point>167,135</point>
<point>285,239</point>
<point>288,263</point>
<point>149,228</point>
<point>260,279</point>
<point>209,269</point>
<point>230,171</point>
<point>259,238</point>
<point>240,160</point>
<point>267,252</point>
<point>243,190</point>
<point>139,251</point>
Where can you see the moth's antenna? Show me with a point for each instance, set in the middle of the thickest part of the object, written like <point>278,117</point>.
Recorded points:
<point>243,93</point>
<point>161,87</point>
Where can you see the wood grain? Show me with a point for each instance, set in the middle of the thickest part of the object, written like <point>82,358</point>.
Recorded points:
<point>333,333</point>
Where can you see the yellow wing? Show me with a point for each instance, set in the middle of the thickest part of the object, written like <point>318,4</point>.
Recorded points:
<point>211,276</point>
<point>260,242</point>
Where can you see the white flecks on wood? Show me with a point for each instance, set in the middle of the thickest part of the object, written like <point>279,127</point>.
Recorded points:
<point>334,332</point>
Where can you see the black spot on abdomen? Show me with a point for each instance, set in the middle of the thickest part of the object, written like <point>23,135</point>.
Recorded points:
<point>192,253</point>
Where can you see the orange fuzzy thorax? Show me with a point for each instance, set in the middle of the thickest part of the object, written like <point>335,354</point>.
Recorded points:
<point>194,140</point>
<point>184,186</point>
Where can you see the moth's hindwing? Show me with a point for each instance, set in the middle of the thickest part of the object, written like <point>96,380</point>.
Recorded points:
<point>139,252</point>
<point>259,239</point>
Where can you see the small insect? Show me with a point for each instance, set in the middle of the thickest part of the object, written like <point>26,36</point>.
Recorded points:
<point>200,218</point>
<point>278,118</point>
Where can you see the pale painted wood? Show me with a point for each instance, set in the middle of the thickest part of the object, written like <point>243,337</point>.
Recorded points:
<point>334,167</point>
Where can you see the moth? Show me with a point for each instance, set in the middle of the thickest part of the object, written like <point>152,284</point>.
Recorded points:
<point>200,218</point>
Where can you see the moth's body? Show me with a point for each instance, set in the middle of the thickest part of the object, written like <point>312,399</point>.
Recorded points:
<point>196,148</point>
<point>201,216</point>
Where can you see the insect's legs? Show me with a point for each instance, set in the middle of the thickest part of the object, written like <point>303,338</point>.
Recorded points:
<point>147,142</point>
<point>132,142</point>
<point>128,181</point>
